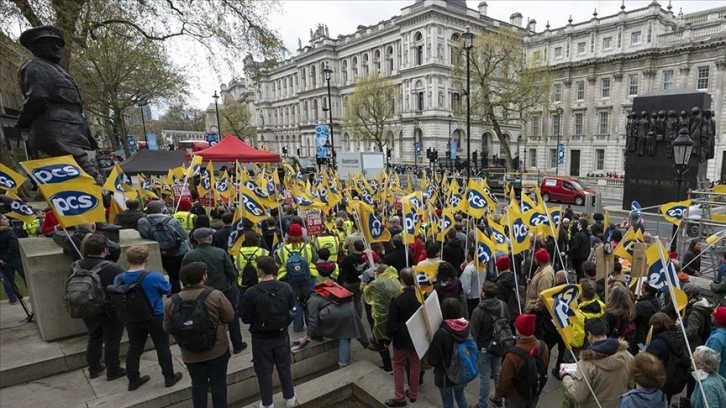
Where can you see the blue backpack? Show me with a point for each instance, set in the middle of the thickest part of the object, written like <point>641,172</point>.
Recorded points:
<point>464,365</point>
<point>297,267</point>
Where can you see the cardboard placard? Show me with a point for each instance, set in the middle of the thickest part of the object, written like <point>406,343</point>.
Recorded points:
<point>640,263</point>
<point>181,191</point>
<point>314,223</point>
<point>397,201</point>
<point>207,200</point>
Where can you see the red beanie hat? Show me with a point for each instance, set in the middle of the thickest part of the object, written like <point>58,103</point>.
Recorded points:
<point>295,230</point>
<point>542,256</point>
<point>185,204</point>
<point>502,263</point>
<point>525,324</point>
<point>719,316</point>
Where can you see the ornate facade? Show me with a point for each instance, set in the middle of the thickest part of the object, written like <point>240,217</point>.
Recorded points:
<point>414,50</point>
<point>600,65</point>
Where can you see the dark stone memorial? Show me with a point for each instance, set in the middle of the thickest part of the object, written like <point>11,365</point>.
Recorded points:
<point>650,131</point>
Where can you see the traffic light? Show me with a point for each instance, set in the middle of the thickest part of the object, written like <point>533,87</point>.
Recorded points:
<point>475,156</point>
<point>298,152</point>
<point>435,155</point>
<point>388,153</point>
<point>428,153</point>
<point>284,150</point>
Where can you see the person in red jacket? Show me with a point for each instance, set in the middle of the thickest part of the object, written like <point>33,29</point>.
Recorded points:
<point>50,222</point>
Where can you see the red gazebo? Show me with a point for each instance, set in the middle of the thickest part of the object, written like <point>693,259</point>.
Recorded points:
<point>231,149</point>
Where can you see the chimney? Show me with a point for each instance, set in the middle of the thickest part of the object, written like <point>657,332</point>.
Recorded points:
<point>483,8</point>
<point>516,19</point>
<point>532,25</point>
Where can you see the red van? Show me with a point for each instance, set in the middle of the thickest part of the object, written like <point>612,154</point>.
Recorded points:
<point>564,189</point>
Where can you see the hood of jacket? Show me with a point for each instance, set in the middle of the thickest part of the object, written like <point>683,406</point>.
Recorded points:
<point>325,266</point>
<point>645,398</point>
<point>457,328</point>
<point>704,305</point>
<point>594,307</point>
<point>674,339</point>
<point>455,243</point>
<point>608,354</point>
<point>505,278</point>
<point>490,304</point>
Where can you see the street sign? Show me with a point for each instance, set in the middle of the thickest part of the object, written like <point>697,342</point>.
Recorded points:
<point>212,138</point>
<point>151,142</point>
<point>314,223</point>
<point>132,143</point>
<point>322,132</point>
<point>417,146</point>
<point>561,154</point>
<point>452,149</point>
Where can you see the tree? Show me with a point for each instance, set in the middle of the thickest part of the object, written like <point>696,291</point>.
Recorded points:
<point>180,117</point>
<point>504,82</point>
<point>370,109</point>
<point>237,119</point>
<point>232,26</point>
<point>118,71</point>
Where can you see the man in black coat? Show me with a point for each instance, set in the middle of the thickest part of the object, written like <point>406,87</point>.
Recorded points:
<point>580,248</point>
<point>453,252</point>
<point>397,257</point>
<point>129,218</point>
<point>403,306</point>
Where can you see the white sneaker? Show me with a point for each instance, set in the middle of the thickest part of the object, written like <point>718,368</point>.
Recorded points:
<point>266,406</point>
<point>292,402</point>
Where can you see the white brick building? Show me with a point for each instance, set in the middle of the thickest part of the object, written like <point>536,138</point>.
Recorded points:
<point>413,49</point>
<point>600,65</point>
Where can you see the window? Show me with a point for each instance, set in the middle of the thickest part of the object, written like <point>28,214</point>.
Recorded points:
<point>455,101</point>
<point>605,88</point>
<point>532,157</point>
<point>603,123</point>
<point>668,79</point>
<point>580,90</point>
<point>420,101</point>
<point>553,157</point>
<point>557,94</point>
<point>599,159</point>
<point>635,38</point>
<point>579,120</point>
<point>581,46</point>
<point>419,55</point>
<point>556,124</point>
<point>354,67</point>
<point>537,56</point>
<point>558,52</point>
<point>607,43</point>
<point>535,126</point>
<point>702,82</point>
<point>633,85</point>
<point>417,36</point>
<point>389,60</point>
<point>365,64</point>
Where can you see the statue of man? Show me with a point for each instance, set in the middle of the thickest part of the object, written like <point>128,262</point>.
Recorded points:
<point>707,135</point>
<point>52,112</point>
<point>695,133</point>
<point>643,129</point>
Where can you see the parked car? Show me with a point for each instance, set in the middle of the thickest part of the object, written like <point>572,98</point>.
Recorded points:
<point>564,189</point>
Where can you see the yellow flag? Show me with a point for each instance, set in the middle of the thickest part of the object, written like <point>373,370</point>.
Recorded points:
<point>371,227</point>
<point>674,212</point>
<point>556,216</point>
<point>114,209</point>
<point>561,302</point>
<point>54,170</point>
<point>10,180</point>
<point>410,219</point>
<point>517,228</point>
<point>195,167</point>
<point>252,208</point>
<point>119,182</point>
<point>484,250</point>
<point>222,189</point>
<point>715,237</point>
<point>476,199</point>
<point>625,247</point>
<point>446,223</point>
<point>19,209</point>
<point>75,202</point>
<point>206,180</point>
<point>527,203</point>
<point>498,236</point>
<point>656,276</point>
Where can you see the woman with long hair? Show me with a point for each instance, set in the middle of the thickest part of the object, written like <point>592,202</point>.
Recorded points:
<point>620,314</point>
<point>667,343</point>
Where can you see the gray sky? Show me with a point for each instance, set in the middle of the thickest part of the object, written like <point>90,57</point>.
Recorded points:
<point>343,16</point>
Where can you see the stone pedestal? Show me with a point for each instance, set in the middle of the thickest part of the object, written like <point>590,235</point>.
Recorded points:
<point>46,270</point>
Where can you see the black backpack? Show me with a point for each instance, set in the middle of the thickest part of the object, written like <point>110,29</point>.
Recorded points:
<point>531,379</point>
<point>191,325</point>
<point>85,296</point>
<point>677,370</point>
<point>249,272</point>
<point>167,238</point>
<point>130,301</point>
<point>273,311</point>
<point>502,337</point>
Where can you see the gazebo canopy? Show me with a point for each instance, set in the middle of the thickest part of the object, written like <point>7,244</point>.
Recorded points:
<point>152,162</point>
<point>232,149</point>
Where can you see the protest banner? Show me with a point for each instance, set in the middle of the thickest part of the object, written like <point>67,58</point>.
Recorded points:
<point>419,323</point>
<point>314,223</point>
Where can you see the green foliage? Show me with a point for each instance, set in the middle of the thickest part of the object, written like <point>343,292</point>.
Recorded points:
<point>370,109</point>
<point>237,119</point>
<point>504,83</point>
<point>180,117</point>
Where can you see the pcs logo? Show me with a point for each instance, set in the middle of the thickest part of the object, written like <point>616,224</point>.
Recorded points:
<point>483,253</point>
<point>70,203</point>
<point>56,173</point>
<point>21,208</point>
<point>562,310</point>
<point>539,219</point>
<point>410,220</point>
<point>375,225</point>
<point>252,206</point>
<point>7,182</point>
<point>476,200</point>
<point>675,212</point>
<point>519,230</point>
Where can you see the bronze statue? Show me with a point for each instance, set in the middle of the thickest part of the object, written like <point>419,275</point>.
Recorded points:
<point>660,126</point>
<point>643,129</point>
<point>694,130</point>
<point>629,139</point>
<point>708,140</point>
<point>650,143</point>
<point>52,111</point>
<point>671,131</point>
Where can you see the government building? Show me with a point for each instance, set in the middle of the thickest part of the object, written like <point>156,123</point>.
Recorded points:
<point>598,67</point>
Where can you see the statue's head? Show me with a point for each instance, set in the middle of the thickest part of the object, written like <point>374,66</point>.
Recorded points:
<point>695,111</point>
<point>672,113</point>
<point>684,115</point>
<point>661,114</point>
<point>644,114</point>
<point>44,42</point>
<point>707,113</point>
<point>635,115</point>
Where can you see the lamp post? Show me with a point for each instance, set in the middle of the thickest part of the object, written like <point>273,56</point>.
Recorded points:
<point>682,147</point>
<point>143,120</point>
<point>216,109</point>
<point>468,44</point>
<point>328,73</point>
<point>559,111</point>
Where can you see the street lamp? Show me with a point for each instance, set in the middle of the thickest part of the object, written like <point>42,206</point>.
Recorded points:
<point>143,120</point>
<point>216,109</point>
<point>682,147</point>
<point>328,73</point>
<point>328,151</point>
<point>559,111</point>
<point>468,44</point>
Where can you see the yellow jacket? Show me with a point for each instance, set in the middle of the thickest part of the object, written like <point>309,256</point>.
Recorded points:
<point>185,218</point>
<point>306,251</point>
<point>330,243</point>
<point>243,255</point>
<point>587,309</point>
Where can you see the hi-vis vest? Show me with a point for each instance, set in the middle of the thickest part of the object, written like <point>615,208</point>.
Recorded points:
<point>348,224</point>
<point>330,243</point>
<point>579,329</point>
<point>185,218</point>
<point>32,228</point>
<point>245,253</point>
<point>283,254</point>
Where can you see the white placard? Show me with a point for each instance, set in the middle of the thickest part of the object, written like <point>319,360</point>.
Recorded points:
<point>417,326</point>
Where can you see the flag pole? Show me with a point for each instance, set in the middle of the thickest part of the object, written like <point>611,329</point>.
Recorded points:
<point>514,265</point>
<point>683,328</point>
<point>184,186</point>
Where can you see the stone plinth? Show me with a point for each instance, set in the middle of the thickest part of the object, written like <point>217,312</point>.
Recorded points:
<point>46,270</point>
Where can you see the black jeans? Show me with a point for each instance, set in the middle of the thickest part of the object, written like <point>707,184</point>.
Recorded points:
<point>234,328</point>
<point>138,333</point>
<point>213,374</point>
<point>268,353</point>
<point>103,330</point>
<point>172,266</point>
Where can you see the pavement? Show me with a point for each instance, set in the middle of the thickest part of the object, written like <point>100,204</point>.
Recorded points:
<point>71,387</point>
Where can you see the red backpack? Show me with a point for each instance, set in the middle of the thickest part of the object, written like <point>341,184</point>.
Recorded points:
<point>332,291</point>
